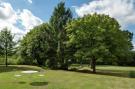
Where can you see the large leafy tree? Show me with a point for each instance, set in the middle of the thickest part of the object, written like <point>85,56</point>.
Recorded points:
<point>6,43</point>
<point>38,45</point>
<point>98,36</point>
<point>58,21</point>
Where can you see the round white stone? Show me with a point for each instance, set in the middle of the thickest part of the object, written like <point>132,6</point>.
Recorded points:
<point>18,75</point>
<point>29,71</point>
<point>40,75</point>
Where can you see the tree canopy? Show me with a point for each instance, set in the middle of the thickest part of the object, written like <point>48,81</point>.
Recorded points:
<point>61,16</point>
<point>37,44</point>
<point>97,36</point>
<point>6,43</point>
<point>64,40</point>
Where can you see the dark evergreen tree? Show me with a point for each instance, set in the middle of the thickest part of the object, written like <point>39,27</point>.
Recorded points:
<point>58,21</point>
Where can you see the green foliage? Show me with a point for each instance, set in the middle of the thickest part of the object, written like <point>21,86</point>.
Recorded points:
<point>63,41</point>
<point>97,36</point>
<point>132,74</point>
<point>6,40</point>
<point>58,21</point>
<point>12,60</point>
<point>6,43</point>
<point>37,44</point>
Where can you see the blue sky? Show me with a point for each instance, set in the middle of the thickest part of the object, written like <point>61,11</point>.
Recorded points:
<point>25,14</point>
<point>44,8</point>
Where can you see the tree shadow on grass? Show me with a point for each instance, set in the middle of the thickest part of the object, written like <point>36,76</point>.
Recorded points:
<point>10,68</point>
<point>21,82</point>
<point>116,73</point>
<point>39,83</point>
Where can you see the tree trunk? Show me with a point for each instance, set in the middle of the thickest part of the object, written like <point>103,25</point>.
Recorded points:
<point>6,52</point>
<point>6,58</point>
<point>60,52</point>
<point>40,62</point>
<point>93,65</point>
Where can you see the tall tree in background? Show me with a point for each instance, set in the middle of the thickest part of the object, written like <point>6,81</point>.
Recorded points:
<point>58,21</point>
<point>97,36</point>
<point>6,43</point>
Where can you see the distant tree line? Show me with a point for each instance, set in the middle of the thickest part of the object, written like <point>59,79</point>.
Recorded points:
<point>92,39</point>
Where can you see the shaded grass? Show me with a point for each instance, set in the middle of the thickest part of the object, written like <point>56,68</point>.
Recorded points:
<point>38,83</point>
<point>118,71</point>
<point>58,79</point>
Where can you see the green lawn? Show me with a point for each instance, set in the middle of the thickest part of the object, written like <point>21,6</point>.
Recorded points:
<point>107,77</point>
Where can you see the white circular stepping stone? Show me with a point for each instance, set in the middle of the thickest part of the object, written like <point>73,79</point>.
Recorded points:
<point>41,75</point>
<point>29,71</point>
<point>18,75</point>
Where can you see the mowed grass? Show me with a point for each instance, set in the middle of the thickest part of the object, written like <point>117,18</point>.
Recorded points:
<point>107,77</point>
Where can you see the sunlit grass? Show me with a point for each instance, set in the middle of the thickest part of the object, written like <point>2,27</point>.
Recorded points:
<point>58,79</point>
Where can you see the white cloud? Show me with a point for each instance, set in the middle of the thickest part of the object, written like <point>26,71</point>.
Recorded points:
<point>29,20</point>
<point>122,10</point>
<point>10,18</point>
<point>7,13</point>
<point>15,30</point>
<point>30,1</point>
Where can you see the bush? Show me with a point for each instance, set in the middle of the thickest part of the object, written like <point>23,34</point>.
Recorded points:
<point>132,74</point>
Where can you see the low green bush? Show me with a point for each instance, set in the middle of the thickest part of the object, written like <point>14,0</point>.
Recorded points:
<point>132,74</point>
